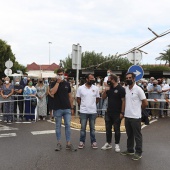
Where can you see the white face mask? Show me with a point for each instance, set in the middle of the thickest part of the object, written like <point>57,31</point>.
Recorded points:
<point>62,77</point>
<point>98,80</point>
<point>108,74</point>
<point>17,83</point>
<point>6,81</point>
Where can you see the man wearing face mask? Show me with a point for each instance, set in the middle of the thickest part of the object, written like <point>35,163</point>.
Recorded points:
<point>18,92</point>
<point>135,99</point>
<point>155,93</point>
<point>62,107</point>
<point>105,101</point>
<point>115,111</point>
<point>87,98</point>
<point>24,80</point>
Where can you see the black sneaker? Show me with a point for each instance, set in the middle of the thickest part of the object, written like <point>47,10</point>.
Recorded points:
<point>59,147</point>
<point>70,147</point>
<point>126,153</point>
<point>136,157</point>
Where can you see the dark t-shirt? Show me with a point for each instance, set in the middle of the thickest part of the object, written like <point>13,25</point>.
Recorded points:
<point>18,87</point>
<point>114,99</point>
<point>61,97</point>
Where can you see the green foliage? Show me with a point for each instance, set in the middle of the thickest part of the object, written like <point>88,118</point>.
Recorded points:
<point>6,54</point>
<point>165,56</point>
<point>155,68</point>
<point>94,60</point>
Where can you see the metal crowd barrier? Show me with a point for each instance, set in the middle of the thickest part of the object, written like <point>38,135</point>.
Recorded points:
<point>18,114</point>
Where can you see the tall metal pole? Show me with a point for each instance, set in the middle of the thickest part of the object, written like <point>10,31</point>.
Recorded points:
<point>77,76</point>
<point>49,51</point>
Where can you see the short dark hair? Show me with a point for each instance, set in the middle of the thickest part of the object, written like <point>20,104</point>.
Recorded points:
<point>60,70</point>
<point>114,77</point>
<point>87,75</point>
<point>133,75</point>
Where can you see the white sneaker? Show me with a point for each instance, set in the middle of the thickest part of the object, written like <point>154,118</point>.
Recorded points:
<point>106,146</point>
<point>117,148</point>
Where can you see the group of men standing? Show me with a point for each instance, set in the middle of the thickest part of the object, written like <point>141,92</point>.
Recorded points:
<point>122,102</point>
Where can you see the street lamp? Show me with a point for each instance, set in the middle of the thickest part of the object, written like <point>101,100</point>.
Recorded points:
<point>49,51</point>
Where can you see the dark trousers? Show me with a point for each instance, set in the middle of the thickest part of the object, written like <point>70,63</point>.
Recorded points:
<point>20,105</point>
<point>133,131</point>
<point>112,120</point>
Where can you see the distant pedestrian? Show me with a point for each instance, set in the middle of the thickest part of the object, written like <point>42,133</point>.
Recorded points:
<point>135,99</point>
<point>63,107</point>
<point>6,93</point>
<point>42,103</point>
<point>115,111</point>
<point>87,98</point>
<point>18,97</point>
<point>29,95</point>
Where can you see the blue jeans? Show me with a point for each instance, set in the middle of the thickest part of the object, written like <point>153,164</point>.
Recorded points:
<point>83,120</point>
<point>66,114</point>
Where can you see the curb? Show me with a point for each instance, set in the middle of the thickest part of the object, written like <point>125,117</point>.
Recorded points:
<point>97,128</point>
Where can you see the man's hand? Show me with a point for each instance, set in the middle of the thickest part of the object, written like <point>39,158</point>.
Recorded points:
<point>72,112</point>
<point>59,79</point>
<point>121,116</point>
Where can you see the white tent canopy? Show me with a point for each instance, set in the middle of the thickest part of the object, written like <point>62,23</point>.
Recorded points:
<point>48,75</point>
<point>16,75</point>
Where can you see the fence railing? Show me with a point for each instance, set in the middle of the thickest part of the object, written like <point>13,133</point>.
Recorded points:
<point>14,100</point>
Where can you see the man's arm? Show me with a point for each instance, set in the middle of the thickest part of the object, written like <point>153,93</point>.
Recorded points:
<point>55,88</point>
<point>97,100</point>
<point>122,108</point>
<point>79,100</point>
<point>71,102</point>
<point>104,95</point>
<point>144,103</point>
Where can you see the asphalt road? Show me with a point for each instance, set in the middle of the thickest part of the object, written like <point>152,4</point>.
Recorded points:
<point>25,151</point>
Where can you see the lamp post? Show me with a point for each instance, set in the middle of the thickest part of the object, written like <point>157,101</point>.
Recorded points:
<point>49,51</point>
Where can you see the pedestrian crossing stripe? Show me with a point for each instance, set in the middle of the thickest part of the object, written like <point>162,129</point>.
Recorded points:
<point>3,128</point>
<point>43,132</point>
<point>7,135</point>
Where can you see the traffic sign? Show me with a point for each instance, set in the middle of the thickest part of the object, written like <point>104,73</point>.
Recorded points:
<point>8,64</point>
<point>76,56</point>
<point>137,70</point>
<point>8,71</point>
<point>134,57</point>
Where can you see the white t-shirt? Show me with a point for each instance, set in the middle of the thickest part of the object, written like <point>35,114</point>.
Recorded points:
<point>133,102</point>
<point>88,98</point>
<point>105,79</point>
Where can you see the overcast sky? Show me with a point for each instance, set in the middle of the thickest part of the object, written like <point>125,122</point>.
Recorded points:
<point>107,26</point>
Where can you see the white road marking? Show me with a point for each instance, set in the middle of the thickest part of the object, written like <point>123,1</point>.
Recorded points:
<point>152,121</point>
<point>7,135</point>
<point>43,132</point>
<point>23,122</point>
<point>2,128</point>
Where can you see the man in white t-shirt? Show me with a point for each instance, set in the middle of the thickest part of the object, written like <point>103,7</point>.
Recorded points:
<point>105,101</point>
<point>135,99</point>
<point>87,97</point>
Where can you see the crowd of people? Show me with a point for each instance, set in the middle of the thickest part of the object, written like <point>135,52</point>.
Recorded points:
<point>109,98</point>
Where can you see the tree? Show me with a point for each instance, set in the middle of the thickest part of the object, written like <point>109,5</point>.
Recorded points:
<point>92,60</point>
<point>165,57</point>
<point>6,54</point>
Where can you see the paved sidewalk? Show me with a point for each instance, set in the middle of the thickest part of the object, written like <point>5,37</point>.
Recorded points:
<point>100,124</point>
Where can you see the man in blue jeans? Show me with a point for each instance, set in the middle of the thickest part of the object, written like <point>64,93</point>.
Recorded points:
<point>63,107</point>
<point>87,98</point>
